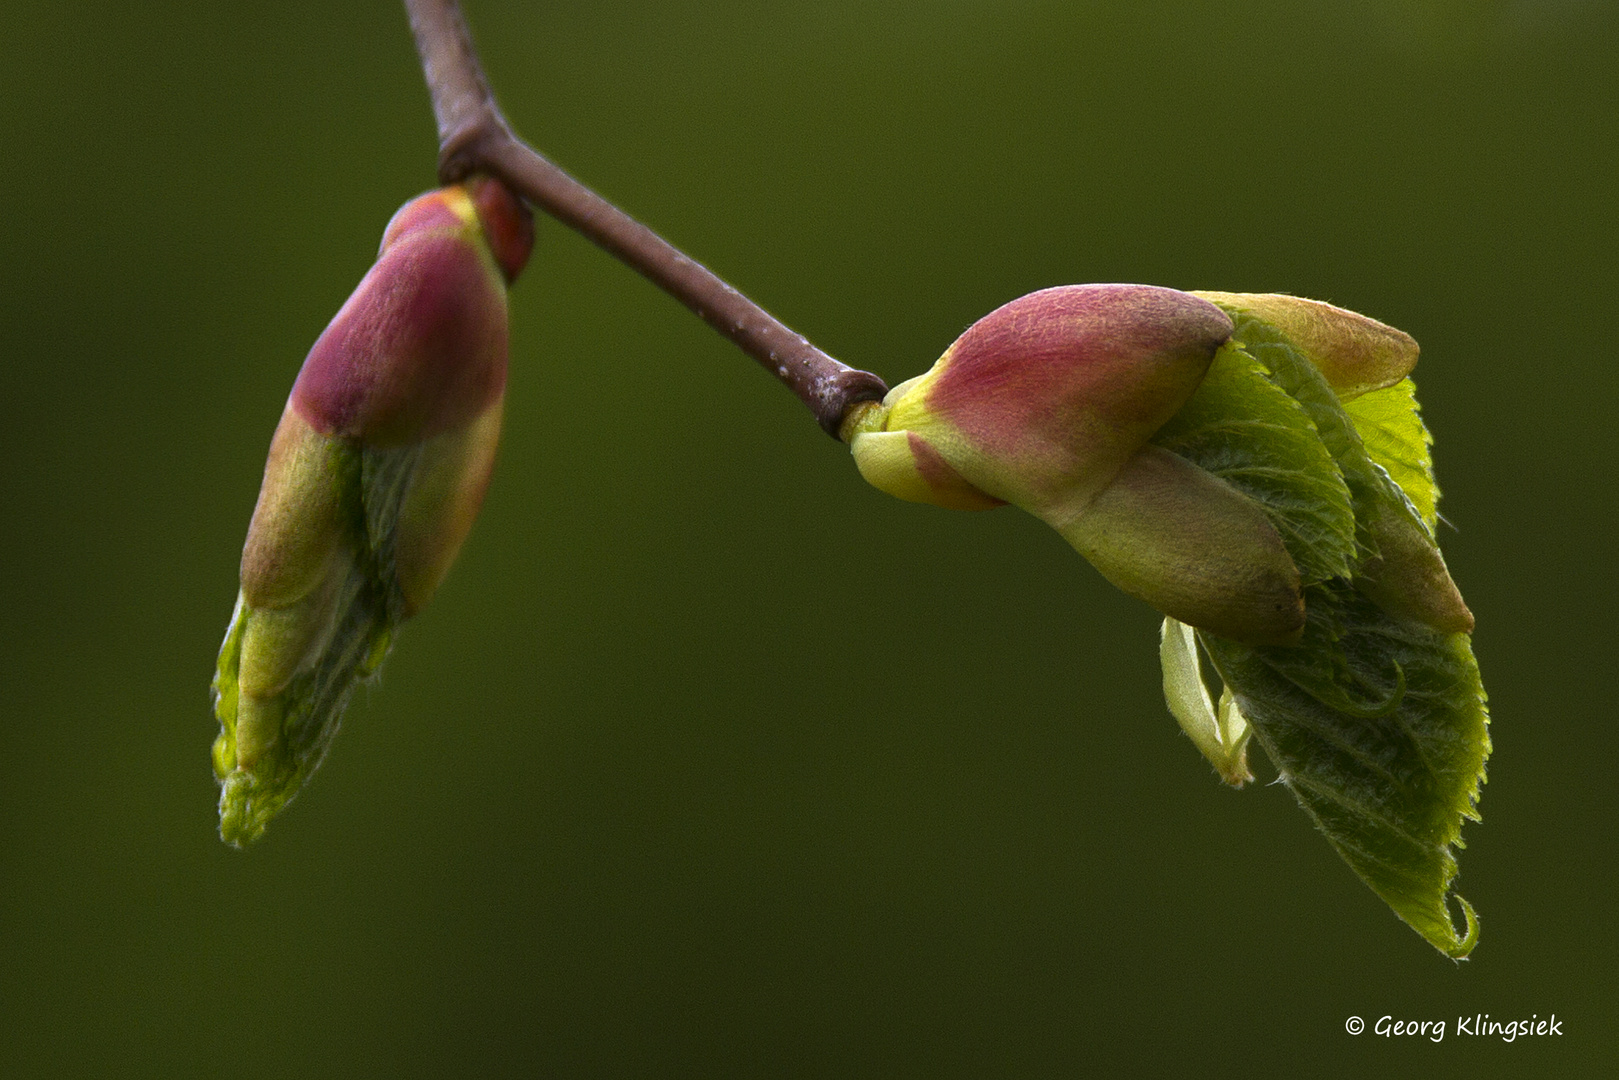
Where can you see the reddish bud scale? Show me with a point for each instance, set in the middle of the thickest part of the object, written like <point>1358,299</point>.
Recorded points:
<point>1046,398</point>
<point>936,472</point>
<point>508,227</point>
<point>1122,359</point>
<point>420,347</point>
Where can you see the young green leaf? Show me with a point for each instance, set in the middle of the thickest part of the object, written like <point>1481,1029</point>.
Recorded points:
<point>1376,719</point>
<point>1390,762</point>
<point>1370,489</point>
<point>1244,429</point>
<point>1390,425</point>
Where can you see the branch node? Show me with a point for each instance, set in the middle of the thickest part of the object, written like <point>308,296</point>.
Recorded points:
<point>470,146</point>
<point>841,393</point>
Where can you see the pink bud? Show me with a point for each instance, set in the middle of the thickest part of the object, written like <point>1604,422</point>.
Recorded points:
<point>1048,403</point>
<point>420,347</point>
<point>1044,399</point>
<point>375,474</point>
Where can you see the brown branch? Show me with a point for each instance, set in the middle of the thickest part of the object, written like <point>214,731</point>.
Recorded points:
<point>474,137</point>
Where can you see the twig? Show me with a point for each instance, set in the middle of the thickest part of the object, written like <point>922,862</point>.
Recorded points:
<point>474,137</point>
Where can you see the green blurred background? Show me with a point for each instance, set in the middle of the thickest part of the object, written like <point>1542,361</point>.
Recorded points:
<point>709,760</point>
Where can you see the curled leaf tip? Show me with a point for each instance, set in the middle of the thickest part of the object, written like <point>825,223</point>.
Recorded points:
<point>1461,948</point>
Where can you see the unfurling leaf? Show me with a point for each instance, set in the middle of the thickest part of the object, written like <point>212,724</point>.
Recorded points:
<point>1391,427</point>
<point>1253,466</point>
<point>1250,433</point>
<point>1376,718</point>
<point>1390,776</point>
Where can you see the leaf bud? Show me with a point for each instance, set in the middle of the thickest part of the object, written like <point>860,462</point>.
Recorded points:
<point>375,474</point>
